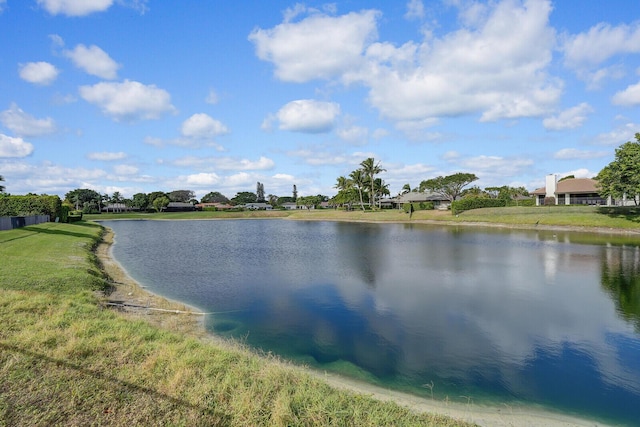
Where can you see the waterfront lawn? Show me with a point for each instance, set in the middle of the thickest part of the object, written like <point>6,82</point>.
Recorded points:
<point>524,216</point>
<point>65,360</point>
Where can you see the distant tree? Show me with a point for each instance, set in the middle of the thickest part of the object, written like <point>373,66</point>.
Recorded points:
<point>621,177</point>
<point>83,197</point>
<point>567,177</point>
<point>309,201</point>
<point>406,189</point>
<point>272,199</point>
<point>381,189</point>
<point>284,199</point>
<point>2,186</point>
<point>160,203</point>
<point>358,180</point>
<point>116,199</point>
<point>214,197</point>
<point>260,192</point>
<point>449,186</point>
<point>153,196</point>
<point>244,197</point>
<point>295,192</point>
<point>370,169</point>
<point>477,192</point>
<point>140,201</point>
<point>181,196</point>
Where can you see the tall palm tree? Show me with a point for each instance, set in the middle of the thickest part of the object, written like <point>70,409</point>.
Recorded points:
<point>1,186</point>
<point>370,169</point>
<point>358,178</point>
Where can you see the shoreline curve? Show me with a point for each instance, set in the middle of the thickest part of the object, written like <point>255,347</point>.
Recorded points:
<point>126,288</point>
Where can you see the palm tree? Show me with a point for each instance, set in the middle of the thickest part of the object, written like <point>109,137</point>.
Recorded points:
<point>370,169</point>
<point>406,189</point>
<point>358,179</point>
<point>382,189</point>
<point>1,186</point>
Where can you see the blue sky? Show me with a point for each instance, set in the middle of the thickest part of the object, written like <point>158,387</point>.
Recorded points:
<point>143,95</point>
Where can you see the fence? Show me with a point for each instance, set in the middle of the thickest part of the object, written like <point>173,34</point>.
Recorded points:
<point>11,222</point>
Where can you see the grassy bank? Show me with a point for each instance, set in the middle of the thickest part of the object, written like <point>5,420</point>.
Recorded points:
<point>67,360</point>
<point>584,217</point>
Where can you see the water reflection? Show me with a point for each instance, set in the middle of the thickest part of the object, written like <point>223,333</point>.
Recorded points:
<point>497,314</point>
<point>621,280</point>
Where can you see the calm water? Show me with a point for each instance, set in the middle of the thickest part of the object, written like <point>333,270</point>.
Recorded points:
<point>491,315</point>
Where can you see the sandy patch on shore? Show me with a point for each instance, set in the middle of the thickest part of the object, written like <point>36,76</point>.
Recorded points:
<point>138,302</point>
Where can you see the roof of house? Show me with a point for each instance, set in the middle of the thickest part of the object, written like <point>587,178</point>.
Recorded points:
<point>415,196</point>
<point>179,205</point>
<point>573,186</point>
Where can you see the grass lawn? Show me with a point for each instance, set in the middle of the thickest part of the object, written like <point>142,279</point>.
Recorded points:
<point>66,360</point>
<point>584,217</point>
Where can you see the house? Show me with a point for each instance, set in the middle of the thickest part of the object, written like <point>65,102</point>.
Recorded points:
<point>439,201</point>
<point>290,206</point>
<point>571,191</point>
<point>116,207</point>
<point>179,207</point>
<point>216,205</point>
<point>258,206</point>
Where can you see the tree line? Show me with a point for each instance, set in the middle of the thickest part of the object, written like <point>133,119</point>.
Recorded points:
<point>620,178</point>
<point>91,201</point>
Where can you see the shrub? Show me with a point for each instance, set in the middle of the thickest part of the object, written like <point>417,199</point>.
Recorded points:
<point>422,206</point>
<point>475,203</point>
<point>74,216</point>
<point>30,204</point>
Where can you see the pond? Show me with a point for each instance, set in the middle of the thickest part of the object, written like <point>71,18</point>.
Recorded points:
<point>450,312</point>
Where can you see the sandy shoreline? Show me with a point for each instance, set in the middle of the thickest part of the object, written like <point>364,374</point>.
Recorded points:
<point>140,303</point>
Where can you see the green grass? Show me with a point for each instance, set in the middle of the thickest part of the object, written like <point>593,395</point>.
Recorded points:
<point>566,216</point>
<point>64,360</point>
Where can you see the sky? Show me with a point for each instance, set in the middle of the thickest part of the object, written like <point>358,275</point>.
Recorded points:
<point>146,95</point>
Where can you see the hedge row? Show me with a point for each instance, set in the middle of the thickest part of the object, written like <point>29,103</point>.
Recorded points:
<point>482,202</point>
<point>422,206</point>
<point>32,205</point>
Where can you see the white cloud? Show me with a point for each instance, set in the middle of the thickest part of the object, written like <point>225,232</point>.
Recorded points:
<point>356,135</point>
<point>380,133</point>
<point>600,43</point>
<point>203,126</point>
<point>50,178</point>
<point>212,97</point>
<point>107,156</point>
<point>125,170</point>
<point>128,101</point>
<point>75,7</point>
<point>308,115</point>
<point>23,124</point>
<point>225,163</point>
<point>629,97</point>
<point>619,135</point>
<point>94,61</point>
<point>493,169</point>
<point>319,46</point>
<point>40,73</point>
<point>573,154</point>
<point>14,147</point>
<point>495,65</point>
<point>415,10</point>
<point>263,163</point>
<point>201,179</point>
<point>570,118</point>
